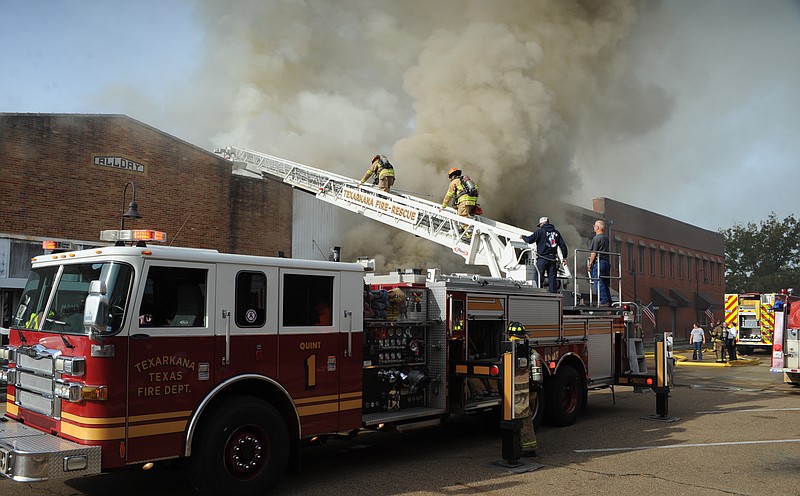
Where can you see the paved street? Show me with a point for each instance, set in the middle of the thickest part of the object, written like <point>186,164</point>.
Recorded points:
<point>736,430</point>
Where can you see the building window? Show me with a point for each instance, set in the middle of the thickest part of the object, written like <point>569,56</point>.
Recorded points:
<point>662,262</point>
<point>689,268</point>
<point>631,260</point>
<point>641,259</point>
<point>672,265</point>
<point>680,266</point>
<point>652,261</point>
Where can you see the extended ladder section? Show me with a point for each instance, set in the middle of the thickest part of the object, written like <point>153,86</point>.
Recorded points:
<point>479,240</point>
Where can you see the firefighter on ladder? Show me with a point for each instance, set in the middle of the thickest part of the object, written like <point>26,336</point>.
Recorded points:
<point>465,203</point>
<point>523,409</point>
<point>383,171</point>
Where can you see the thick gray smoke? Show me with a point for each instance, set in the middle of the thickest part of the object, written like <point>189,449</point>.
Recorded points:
<point>505,90</point>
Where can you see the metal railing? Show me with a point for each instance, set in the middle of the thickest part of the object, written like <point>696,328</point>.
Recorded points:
<point>590,280</point>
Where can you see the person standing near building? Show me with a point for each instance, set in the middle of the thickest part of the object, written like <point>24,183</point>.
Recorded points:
<point>719,335</point>
<point>383,171</point>
<point>698,338</point>
<point>523,398</point>
<point>548,241</point>
<point>599,264</point>
<point>732,334</point>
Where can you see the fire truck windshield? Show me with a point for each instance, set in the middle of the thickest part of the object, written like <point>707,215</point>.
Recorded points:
<point>61,310</point>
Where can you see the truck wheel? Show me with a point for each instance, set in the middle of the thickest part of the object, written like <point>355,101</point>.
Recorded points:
<point>537,406</point>
<point>564,397</point>
<point>243,449</point>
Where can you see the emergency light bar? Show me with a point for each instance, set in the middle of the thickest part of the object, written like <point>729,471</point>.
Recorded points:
<point>58,245</point>
<point>133,235</point>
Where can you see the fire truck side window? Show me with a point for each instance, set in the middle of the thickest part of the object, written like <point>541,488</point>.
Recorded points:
<point>251,299</point>
<point>307,300</point>
<point>174,297</point>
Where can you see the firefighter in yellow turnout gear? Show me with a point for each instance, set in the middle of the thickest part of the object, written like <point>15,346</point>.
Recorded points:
<point>523,398</point>
<point>464,200</point>
<point>383,171</point>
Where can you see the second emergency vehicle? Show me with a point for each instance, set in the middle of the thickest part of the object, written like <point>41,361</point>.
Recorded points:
<point>786,342</point>
<point>754,316</point>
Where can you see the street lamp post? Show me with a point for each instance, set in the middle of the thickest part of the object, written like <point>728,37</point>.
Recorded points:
<point>133,207</point>
<point>697,290</point>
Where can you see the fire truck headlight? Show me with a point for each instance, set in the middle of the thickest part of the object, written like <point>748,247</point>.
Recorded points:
<point>70,391</point>
<point>75,392</point>
<point>8,353</point>
<point>7,376</point>
<point>71,365</point>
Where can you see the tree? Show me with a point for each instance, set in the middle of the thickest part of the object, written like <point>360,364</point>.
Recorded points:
<point>762,258</point>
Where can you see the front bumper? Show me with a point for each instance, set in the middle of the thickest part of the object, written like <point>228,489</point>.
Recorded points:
<point>28,455</point>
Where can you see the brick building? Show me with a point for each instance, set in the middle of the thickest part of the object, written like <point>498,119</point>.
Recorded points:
<point>63,177</point>
<point>678,267</point>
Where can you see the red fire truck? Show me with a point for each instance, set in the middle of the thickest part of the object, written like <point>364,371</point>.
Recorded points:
<point>126,355</point>
<point>131,353</point>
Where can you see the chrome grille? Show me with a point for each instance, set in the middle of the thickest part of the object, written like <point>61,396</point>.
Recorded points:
<point>43,366</point>
<point>35,383</point>
<point>36,403</point>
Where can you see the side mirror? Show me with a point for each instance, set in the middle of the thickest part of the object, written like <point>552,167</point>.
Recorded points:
<point>95,312</point>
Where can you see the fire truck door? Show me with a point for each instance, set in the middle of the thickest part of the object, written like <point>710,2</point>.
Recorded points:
<point>310,355</point>
<point>171,352</point>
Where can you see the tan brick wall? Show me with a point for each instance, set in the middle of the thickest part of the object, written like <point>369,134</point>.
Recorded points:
<point>51,187</point>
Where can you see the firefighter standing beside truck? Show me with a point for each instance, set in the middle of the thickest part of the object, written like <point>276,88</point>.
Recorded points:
<point>522,398</point>
<point>383,171</point>
<point>719,335</point>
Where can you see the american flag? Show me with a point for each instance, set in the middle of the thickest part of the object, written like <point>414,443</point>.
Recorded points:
<point>648,310</point>
<point>709,314</point>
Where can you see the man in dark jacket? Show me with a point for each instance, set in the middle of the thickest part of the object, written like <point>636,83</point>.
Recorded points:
<point>548,241</point>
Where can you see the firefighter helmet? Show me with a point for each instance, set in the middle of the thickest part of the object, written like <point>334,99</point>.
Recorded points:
<point>376,157</point>
<point>516,329</point>
<point>455,171</point>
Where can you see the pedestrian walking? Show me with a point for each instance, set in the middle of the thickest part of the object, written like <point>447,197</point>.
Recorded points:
<point>698,338</point>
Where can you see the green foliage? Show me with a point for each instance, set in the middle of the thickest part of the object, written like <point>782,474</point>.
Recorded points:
<point>762,258</point>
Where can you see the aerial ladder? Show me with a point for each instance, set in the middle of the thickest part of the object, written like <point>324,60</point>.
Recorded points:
<point>479,240</point>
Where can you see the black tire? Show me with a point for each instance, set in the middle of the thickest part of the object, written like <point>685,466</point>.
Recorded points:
<point>243,449</point>
<point>538,406</point>
<point>564,397</point>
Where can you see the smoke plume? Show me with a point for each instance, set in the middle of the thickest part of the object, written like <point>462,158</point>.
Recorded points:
<point>505,90</point>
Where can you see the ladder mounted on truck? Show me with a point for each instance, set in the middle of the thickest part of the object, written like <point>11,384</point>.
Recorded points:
<point>479,240</point>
